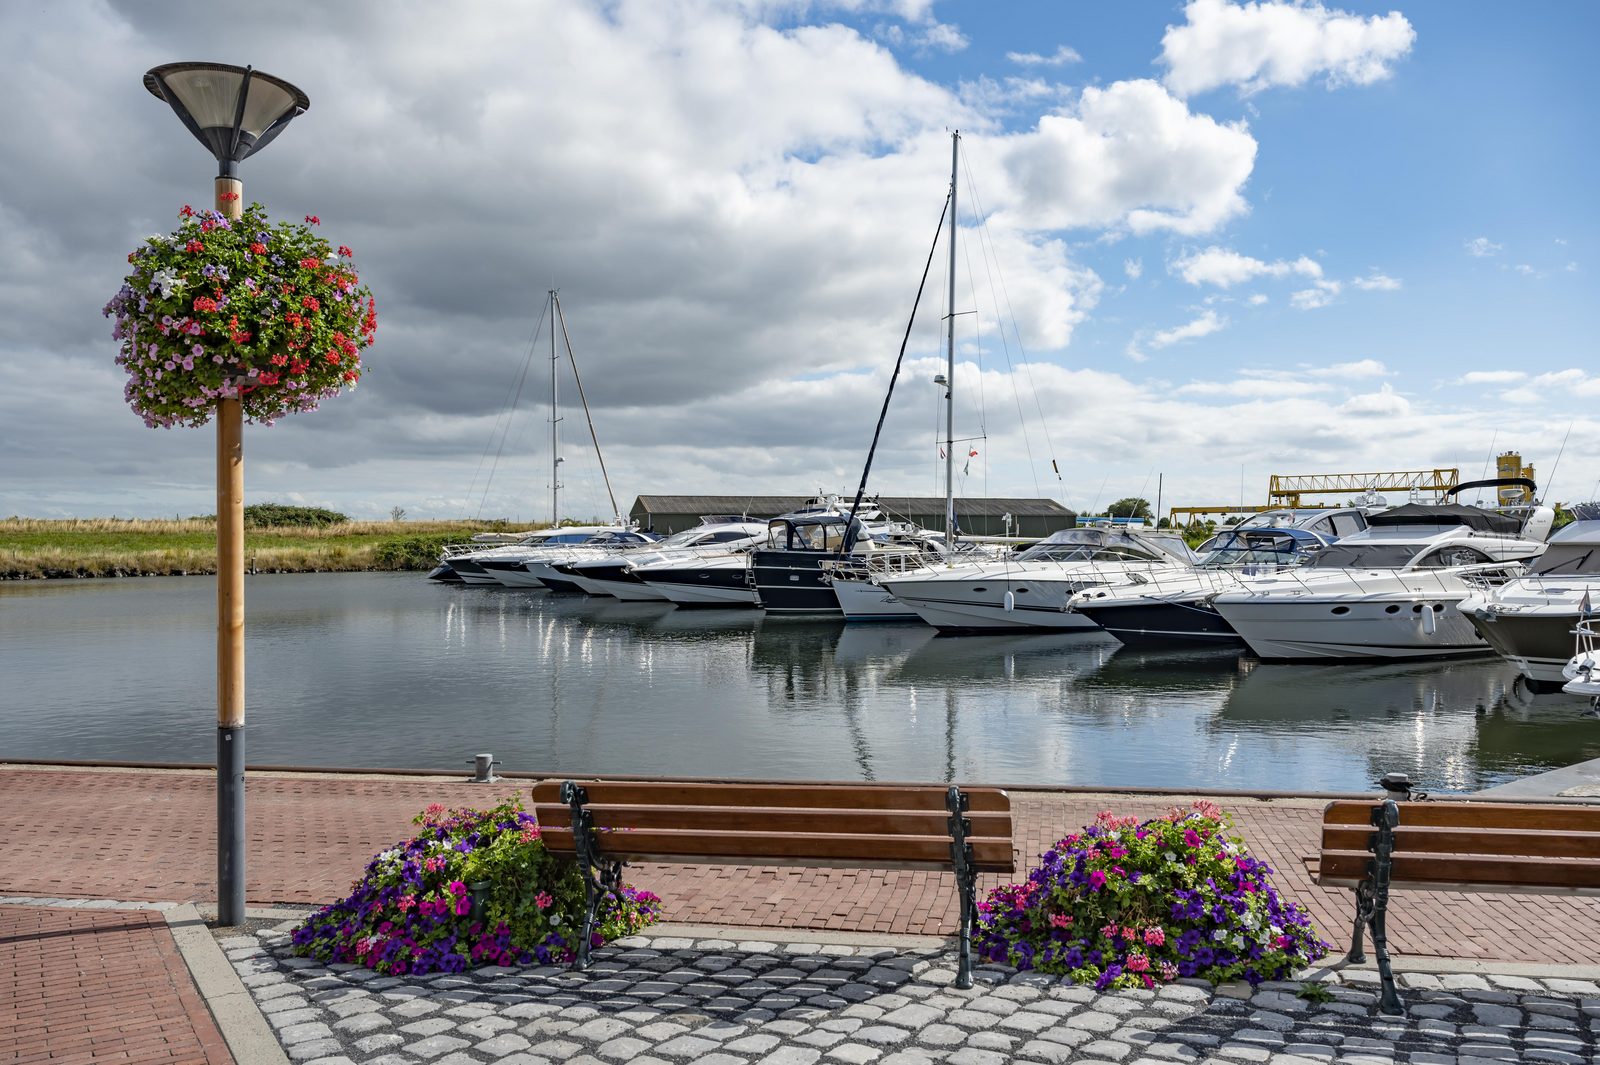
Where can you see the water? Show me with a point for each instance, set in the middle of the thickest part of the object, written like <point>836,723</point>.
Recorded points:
<point>393,670</point>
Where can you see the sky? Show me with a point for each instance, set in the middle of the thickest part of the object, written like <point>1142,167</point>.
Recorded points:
<point>1198,244</point>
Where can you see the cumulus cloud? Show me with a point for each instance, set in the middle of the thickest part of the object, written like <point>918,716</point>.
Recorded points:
<point>1384,403</point>
<point>1130,154</point>
<point>1225,268</point>
<point>1322,293</point>
<point>1059,58</point>
<point>1482,247</point>
<point>1491,377</point>
<point>1256,46</point>
<point>1134,268</point>
<point>1205,324</point>
<point>1255,299</point>
<point>1376,282</point>
<point>1356,369</point>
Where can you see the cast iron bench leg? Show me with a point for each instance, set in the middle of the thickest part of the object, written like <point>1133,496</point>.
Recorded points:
<point>1387,819</point>
<point>966,880</point>
<point>587,848</point>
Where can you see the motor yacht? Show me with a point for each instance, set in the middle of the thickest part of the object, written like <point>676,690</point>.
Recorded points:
<point>1530,620</point>
<point>542,567</point>
<point>857,579</point>
<point>1175,607</point>
<point>616,574</point>
<point>1030,591</point>
<point>502,565</point>
<point>1388,592</point>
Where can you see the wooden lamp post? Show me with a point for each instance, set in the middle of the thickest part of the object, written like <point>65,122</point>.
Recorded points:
<point>234,112</point>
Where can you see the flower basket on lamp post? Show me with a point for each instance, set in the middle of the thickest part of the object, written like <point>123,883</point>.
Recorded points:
<point>229,317</point>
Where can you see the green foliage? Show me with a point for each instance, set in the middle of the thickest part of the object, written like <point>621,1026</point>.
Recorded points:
<point>1310,991</point>
<point>277,515</point>
<point>1131,507</point>
<point>413,552</point>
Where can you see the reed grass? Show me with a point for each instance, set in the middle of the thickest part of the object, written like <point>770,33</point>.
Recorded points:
<point>132,547</point>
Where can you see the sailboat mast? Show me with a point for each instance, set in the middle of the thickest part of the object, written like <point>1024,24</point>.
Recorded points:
<point>950,360</point>
<point>555,423</point>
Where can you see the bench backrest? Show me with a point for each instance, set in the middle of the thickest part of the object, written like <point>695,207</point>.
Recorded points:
<point>1466,845</point>
<point>889,826</point>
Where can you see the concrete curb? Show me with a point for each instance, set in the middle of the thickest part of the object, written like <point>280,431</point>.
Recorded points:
<point>243,1027</point>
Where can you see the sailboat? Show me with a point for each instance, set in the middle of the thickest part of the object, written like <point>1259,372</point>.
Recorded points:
<point>523,563</point>
<point>788,571</point>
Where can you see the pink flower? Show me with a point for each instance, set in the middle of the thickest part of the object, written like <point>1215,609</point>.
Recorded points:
<point>405,902</point>
<point>434,864</point>
<point>1155,937</point>
<point>1138,963</point>
<point>1097,879</point>
<point>463,907</point>
<point>1060,920</point>
<point>1191,837</point>
<point>543,900</point>
<point>456,887</point>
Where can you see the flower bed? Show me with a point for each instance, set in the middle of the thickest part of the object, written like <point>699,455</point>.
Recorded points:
<point>414,909</point>
<point>271,314</point>
<point>1126,903</point>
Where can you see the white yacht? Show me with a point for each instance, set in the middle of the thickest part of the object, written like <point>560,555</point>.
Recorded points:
<point>710,579</point>
<point>1530,620</point>
<point>616,574</point>
<point>899,550</point>
<point>1388,592</point>
<point>1030,591</point>
<point>1176,608</point>
<point>541,568</point>
<point>502,565</point>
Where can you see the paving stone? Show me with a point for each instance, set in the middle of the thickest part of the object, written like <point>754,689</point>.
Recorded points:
<point>313,1049</point>
<point>913,1016</point>
<point>299,1033</point>
<point>941,1035</point>
<point>990,1041</point>
<point>759,1043</point>
<point>435,1046</point>
<point>791,1056</point>
<point>1105,1050</point>
<point>373,1043</point>
<point>854,1053</point>
<point>686,1046</point>
<point>1027,1020</point>
<point>974,1056</point>
<point>361,1024</point>
<point>824,1040</point>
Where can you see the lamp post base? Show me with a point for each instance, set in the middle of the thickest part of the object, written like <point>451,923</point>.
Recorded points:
<point>230,825</point>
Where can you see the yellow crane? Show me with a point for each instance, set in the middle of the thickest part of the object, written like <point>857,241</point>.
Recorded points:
<point>1287,489</point>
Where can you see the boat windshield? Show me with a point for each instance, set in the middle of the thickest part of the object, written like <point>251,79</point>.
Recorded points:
<point>1564,559</point>
<point>1241,550</point>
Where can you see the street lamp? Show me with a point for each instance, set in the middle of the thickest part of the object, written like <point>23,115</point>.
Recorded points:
<point>234,112</point>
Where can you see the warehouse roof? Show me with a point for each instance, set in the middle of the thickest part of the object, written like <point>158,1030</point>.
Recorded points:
<point>892,506</point>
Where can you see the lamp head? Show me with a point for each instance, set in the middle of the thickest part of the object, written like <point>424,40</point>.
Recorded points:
<point>233,111</point>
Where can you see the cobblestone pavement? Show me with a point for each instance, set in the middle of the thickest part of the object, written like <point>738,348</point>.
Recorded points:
<point>661,1001</point>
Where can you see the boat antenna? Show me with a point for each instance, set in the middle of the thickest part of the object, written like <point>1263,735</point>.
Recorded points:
<point>587,416</point>
<point>1557,463</point>
<point>861,490</point>
<point>1484,476</point>
<point>950,385</point>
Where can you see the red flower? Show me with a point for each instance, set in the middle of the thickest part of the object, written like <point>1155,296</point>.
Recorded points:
<point>332,357</point>
<point>346,252</point>
<point>258,248</point>
<point>312,219</point>
<point>228,197</point>
<point>204,303</point>
<point>194,245</point>
<point>280,360</point>
<point>310,263</point>
<point>187,212</point>
<point>268,378</point>
<point>350,375</point>
<point>310,303</point>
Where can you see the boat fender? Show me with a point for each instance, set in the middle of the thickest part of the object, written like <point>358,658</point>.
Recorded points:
<point>1011,602</point>
<point>1429,624</point>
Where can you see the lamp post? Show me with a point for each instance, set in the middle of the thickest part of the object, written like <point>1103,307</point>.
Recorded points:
<point>234,112</point>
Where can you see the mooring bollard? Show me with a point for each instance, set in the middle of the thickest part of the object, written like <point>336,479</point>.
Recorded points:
<point>483,769</point>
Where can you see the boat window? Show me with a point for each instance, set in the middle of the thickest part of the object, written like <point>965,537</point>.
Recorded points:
<point>1346,524</point>
<point>1364,556</point>
<point>1568,558</point>
<point>727,537</point>
<point>1452,555</point>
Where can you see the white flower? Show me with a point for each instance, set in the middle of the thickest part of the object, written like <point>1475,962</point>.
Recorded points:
<point>167,279</point>
<point>1170,856</point>
<point>555,918</point>
<point>157,238</point>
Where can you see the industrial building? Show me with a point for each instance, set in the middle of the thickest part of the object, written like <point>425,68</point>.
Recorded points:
<point>975,517</point>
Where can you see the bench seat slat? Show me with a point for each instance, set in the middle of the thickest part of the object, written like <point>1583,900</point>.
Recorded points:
<point>1472,841</point>
<point>1436,813</point>
<point>1489,872</point>
<point>990,855</point>
<point>748,819</point>
<point>809,796</point>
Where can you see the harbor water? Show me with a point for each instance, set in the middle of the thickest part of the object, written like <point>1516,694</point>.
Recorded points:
<point>393,670</point>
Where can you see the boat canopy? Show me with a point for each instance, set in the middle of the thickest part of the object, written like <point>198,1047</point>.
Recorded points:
<point>1488,521</point>
<point>818,531</point>
<point>1279,546</point>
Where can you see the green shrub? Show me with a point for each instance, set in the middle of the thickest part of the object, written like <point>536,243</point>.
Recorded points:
<point>271,515</point>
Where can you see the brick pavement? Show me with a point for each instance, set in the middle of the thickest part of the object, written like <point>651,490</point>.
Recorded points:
<point>149,835</point>
<point>92,987</point>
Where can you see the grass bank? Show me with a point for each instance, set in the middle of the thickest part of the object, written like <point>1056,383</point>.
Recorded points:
<point>112,547</point>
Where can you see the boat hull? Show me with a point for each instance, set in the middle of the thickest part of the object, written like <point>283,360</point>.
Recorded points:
<point>702,585</point>
<point>1163,623</point>
<point>1378,627</point>
<point>969,607</point>
<point>865,601</point>
<point>1539,645</point>
<point>792,582</point>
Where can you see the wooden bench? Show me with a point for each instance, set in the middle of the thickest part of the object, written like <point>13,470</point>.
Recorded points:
<point>1380,845</point>
<point>606,823</point>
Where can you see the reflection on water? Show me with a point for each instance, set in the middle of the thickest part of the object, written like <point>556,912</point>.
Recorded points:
<point>389,670</point>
